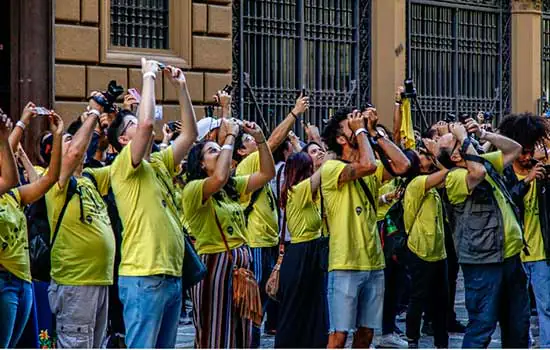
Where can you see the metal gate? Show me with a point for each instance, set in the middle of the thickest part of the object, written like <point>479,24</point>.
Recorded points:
<point>545,50</point>
<point>458,54</point>
<point>282,46</point>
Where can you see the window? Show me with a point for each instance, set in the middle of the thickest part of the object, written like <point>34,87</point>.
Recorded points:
<point>131,29</point>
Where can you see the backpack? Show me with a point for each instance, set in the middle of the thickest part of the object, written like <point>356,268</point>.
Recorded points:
<point>41,240</point>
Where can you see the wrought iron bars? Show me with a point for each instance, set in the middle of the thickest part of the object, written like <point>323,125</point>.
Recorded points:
<point>288,44</point>
<point>140,23</point>
<point>545,48</point>
<point>458,55</point>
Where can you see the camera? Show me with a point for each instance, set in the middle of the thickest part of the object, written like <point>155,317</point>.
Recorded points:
<point>173,126</point>
<point>108,98</point>
<point>228,89</point>
<point>450,118</point>
<point>410,90</point>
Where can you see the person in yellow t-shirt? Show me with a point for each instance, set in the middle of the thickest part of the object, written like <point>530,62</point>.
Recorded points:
<point>487,234</point>
<point>350,186</point>
<point>83,250</point>
<point>532,187</point>
<point>261,209</point>
<point>211,202</point>
<point>302,276</point>
<point>427,258</point>
<point>152,247</point>
<point>16,294</point>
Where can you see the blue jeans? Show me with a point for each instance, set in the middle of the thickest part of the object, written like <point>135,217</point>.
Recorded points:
<point>15,308</point>
<point>496,293</point>
<point>151,310</point>
<point>538,274</point>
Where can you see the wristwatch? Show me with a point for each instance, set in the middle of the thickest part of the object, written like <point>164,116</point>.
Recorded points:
<point>379,135</point>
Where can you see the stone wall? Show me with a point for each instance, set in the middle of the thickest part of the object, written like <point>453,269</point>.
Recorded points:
<point>79,70</point>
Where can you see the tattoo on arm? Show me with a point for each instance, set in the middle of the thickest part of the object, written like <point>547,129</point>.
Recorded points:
<point>348,174</point>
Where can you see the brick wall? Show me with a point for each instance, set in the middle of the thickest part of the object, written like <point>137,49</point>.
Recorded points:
<point>78,69</point>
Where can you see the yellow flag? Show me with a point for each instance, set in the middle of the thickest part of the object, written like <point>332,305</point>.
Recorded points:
<point>407,131</point>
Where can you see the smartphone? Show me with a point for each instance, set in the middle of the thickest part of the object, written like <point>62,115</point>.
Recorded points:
<point>135,94</point>
<point>42,111</point>
<point>228,89</point>
<point>463,117</point>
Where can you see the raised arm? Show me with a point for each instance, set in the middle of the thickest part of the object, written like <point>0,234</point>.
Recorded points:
<point>77,149</point>
<point>267,165</point>
<point>476,170</point>
<point>397,116</point>
<point>9,177</point>
<point>312,132</point>
<point>189,132</point>
<point>281,131</point>
<point>366,164</point>
<point>219,178</point>
<point>35,190</point>
<point>27,165</point>
<point>17,132</point>
<point>510,149</point>
<point>146,113</point>
<point>399,163</point>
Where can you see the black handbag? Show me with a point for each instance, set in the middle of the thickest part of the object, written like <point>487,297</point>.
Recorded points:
<point>193,269</point>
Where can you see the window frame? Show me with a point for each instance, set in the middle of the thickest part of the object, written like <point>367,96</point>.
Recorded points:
<point>179,39</point>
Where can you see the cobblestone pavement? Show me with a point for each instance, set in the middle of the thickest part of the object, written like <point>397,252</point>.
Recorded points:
<point>186,333</point>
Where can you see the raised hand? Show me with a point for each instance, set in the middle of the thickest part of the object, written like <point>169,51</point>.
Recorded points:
<point>254,130</point>
<point>356,121</point>
<point>56,124</point>
<point>5,127</point>
<point>302,105</point>
<point>28,113</point>
<point>175,76</point>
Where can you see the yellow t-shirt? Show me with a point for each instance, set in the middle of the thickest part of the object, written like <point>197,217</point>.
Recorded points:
<point>263,226</point>
<point>457,191</point>
<point>179,201</point>
<point>354,237</point>
<point>203,224</point>
<point>427,236</point>
<point>152,240</point>
<point>83,252</point>
<point>531,223</point>
<point>14,243</point>
<point>386,188</point>
<point>302,214</point>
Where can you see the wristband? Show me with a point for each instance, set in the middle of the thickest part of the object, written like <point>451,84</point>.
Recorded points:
<point>234,136</point>
<point>227,147</point>
<point>150,74</point>
<point>384,200</point>
<point>397,104</point>
<point>163,145</point>
<point>21,124</point>
<point>94,112</point>
<point>260,142</point>
<point>360,131</point>
<point>294,115</point>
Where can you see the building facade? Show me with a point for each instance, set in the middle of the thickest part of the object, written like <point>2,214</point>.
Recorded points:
<point>464,55</point>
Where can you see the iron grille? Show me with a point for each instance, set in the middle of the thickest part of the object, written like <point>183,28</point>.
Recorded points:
<point>459,56</point>
<point>545,49</point>
<point>140,23</point>
<point>287,45</point>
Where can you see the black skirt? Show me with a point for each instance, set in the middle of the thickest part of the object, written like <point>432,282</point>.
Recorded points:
<point>303,310</point>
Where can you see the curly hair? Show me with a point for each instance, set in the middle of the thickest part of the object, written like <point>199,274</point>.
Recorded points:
<point>195,171</point>
<point>333,129</point>
<point>526,129</point>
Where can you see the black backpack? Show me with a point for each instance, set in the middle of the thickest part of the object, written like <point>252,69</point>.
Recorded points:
<point>40,245</point>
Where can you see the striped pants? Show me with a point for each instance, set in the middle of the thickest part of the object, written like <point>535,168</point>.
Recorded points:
<point>217,324</point>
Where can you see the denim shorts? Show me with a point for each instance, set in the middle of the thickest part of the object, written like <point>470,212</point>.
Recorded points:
<point>355,299</point>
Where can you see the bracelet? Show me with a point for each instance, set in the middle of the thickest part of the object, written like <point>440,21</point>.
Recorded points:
<point>234,136</point>
<point>360,130</point>
<point>260,142</point>
<point>163,145</point>
<point>21,124</point>
<point>94,112</point>
<point>398,104</point>
<point>294,115</point>
<point>227,147</point>
<point>150,74</point>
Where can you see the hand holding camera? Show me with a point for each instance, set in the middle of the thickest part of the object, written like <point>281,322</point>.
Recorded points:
<point>56,124</point>
<point>149,67</point>
<point>29,113</point>
<point>356,121</point>
<point>5,126</point>
<point>372,121</point>
<point>473,127</point>
<point>223,98</point>
<point>176,76</point>
<point>459,131</point>
<point>537,172</point>
<point>302,105</point>
<point>254,130</point>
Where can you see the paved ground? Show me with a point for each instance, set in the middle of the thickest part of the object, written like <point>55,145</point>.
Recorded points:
<point>186,333</point>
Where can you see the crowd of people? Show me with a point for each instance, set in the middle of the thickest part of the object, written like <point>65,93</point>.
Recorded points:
<point>315,241</point>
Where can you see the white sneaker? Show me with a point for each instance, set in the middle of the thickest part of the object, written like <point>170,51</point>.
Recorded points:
<point>392,341</point>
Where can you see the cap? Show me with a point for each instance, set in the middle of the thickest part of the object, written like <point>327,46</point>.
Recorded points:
<point>205,125</point>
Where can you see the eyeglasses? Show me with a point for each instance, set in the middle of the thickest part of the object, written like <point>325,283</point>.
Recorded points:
<point>130,123</point>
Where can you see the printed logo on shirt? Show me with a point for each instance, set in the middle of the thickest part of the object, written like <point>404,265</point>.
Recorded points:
<point>358,210</point>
